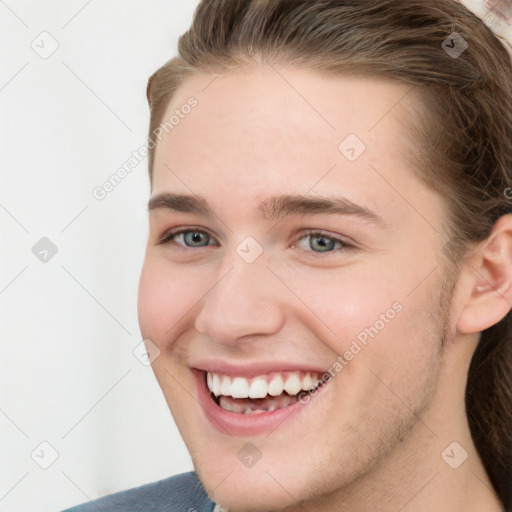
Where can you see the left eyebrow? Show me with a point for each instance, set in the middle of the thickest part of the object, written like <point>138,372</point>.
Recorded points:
<point>272,209</point>
<point>282,206</point>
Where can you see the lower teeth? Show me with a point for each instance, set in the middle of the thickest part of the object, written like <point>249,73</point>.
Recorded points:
<point>256,406</point>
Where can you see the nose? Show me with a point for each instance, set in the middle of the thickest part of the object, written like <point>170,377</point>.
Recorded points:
<point>242,303</point>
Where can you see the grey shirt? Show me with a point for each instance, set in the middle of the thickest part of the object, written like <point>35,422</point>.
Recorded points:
<point>180,493</point>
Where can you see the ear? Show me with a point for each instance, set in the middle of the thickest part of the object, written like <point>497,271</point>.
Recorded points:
<point>486,280</point>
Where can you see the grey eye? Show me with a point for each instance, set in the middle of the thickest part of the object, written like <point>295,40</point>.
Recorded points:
<point>194,238</point>
<point>320,243</point>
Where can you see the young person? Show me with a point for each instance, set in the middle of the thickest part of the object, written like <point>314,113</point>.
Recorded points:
<point>328,275</point>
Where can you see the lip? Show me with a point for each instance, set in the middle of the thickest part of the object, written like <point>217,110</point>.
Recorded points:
<point>236,424</point>
<point>249,370</point>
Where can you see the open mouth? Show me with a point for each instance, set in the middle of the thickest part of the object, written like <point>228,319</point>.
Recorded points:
<point>264,393</point>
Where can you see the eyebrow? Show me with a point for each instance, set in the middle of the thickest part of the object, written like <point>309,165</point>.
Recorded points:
<point>275,208</point>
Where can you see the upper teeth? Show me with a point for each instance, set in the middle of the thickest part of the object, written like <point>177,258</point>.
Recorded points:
<point>261,386</point>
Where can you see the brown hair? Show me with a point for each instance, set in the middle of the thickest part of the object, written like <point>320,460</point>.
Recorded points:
<point>465,129</point>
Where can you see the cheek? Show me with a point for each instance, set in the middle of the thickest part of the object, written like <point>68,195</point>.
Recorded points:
<point>166,295</point>
<point>343,301</point>
<point>367,310</point>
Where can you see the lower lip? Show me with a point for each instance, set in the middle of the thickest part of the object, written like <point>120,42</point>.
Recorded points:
<point>235,424</point>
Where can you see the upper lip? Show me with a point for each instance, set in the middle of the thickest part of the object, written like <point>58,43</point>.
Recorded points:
<point>251,368</point>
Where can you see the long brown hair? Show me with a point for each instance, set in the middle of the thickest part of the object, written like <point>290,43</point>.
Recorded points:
<point>464,129</point>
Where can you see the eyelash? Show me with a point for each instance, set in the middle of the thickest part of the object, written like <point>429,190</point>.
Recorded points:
<point>167,238</point>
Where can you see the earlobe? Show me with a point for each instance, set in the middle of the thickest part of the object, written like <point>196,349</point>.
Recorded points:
<point>487,280</point>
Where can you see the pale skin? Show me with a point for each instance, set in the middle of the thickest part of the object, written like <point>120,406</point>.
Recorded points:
<point>373,438</point>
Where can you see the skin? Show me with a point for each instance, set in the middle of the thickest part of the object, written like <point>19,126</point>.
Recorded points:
<point>373,438</point>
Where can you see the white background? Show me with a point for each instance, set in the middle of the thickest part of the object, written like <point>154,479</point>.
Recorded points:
<point>68,374</point>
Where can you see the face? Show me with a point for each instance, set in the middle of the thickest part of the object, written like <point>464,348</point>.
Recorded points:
<point>308,257</point>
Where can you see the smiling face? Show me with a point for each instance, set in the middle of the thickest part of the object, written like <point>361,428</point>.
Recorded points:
<point>303,255</point>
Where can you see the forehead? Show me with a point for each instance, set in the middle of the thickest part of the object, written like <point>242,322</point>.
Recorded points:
<point>267,130</point>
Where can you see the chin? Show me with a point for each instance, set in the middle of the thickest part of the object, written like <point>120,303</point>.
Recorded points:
<point>251,491</point>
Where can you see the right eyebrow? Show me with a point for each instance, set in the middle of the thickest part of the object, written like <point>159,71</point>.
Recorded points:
<point>184,203</point>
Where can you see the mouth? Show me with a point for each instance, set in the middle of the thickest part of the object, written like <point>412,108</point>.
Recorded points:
<point>255,399</point>
<point>261,394</point>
